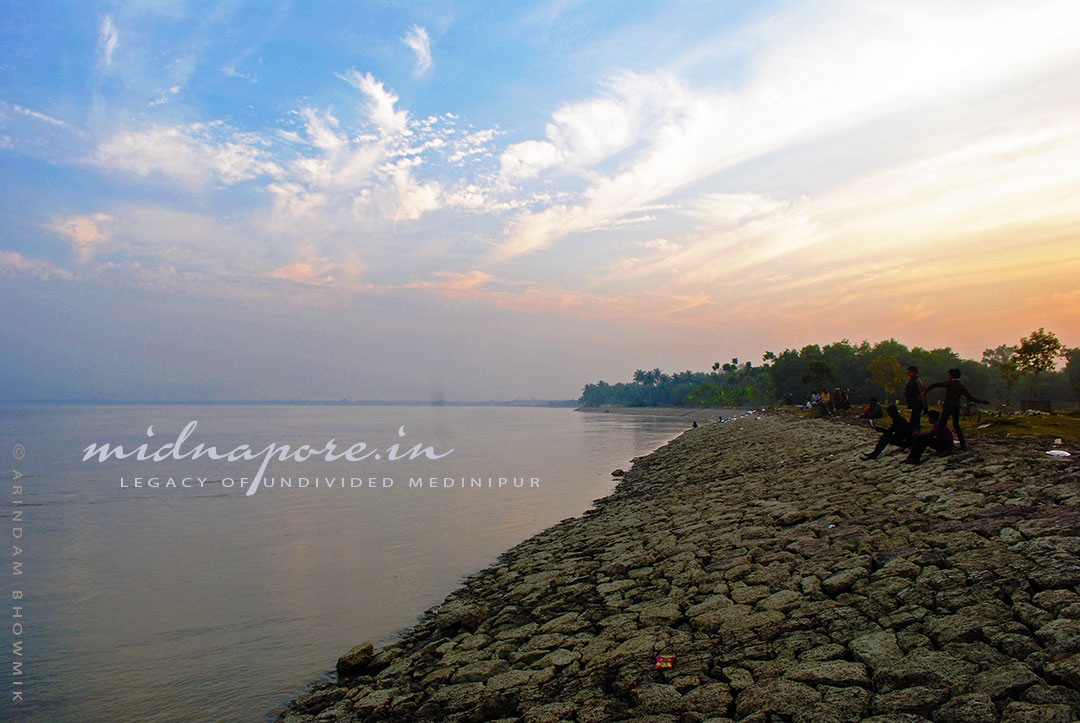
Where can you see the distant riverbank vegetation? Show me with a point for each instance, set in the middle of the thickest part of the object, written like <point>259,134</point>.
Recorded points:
<point>1007,373</point>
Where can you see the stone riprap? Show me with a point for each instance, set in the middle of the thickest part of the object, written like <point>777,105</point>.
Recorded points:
<point>791,582</point>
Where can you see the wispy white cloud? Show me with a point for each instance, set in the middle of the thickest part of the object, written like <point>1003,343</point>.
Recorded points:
<point>403,197</point>
<point>40,116</point>
<point>362,177</point>
<point>381,108</point>
<point>330,170</point>
<point>232,72</point>
<point>457,284</point>
<point>338,186</point>
<point>661,244</point>
<point>417,38</point>
<point>648,136</point>
<point>108,39</point>
<point>945,221</point>
<point>585,133</point>
<point>13,263</point>
<point>473,144</point>
<point>527,159</point>
<point>311,268</point>
<point>165,97</point>
<point>85,232</point>
<point>192,154</point>
<point>480,286</point>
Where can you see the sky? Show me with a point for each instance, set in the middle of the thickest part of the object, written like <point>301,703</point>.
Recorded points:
<point>470,201</point>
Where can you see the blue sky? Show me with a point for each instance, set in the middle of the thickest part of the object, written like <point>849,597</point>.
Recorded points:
<point>472,201</point>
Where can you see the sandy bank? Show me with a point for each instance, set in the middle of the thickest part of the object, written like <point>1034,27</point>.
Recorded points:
<point>790,581</point>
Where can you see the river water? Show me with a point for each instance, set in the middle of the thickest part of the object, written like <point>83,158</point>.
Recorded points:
<point>206,603</point>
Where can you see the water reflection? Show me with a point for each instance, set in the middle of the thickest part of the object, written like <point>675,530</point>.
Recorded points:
<point>172,604</point>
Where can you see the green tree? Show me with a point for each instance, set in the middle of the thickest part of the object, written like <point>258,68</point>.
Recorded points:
<point>1038,353</point>
<point>1003,360</point>
<point>886,372</point>
<point>818,372</point>
<point>1072,370</point>
<point>844,360</point>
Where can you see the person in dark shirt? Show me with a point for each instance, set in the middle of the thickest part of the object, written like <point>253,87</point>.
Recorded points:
<point>914,393</point>
<point>939,437</point>
<point>954,392</point>
<point>873,410</point>
<point>900,434</point>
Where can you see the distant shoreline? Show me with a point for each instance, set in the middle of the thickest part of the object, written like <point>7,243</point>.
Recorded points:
<point>703,414</point>
<point>541,403</point>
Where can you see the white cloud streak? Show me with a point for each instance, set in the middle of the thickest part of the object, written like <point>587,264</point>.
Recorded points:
<point>39,116</point>
<point>670,135</point>
<point>109,37</point>
<point>381,103</point>
<point>193,154</point>
<point>417,38</point>
<point>13,263</point>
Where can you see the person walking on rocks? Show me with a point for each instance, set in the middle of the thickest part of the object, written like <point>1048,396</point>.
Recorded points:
<point>900,434</point>
<point>939,437</point>
<point>914,393</point>
<point>954,392</point>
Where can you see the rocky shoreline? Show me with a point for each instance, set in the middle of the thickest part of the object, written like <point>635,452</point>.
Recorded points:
<point>790,581</point>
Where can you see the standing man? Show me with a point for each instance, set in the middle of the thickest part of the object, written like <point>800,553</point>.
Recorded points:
<point>954,391</point>
<point>914,394</point>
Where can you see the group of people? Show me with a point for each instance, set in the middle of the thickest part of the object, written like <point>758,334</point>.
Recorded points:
<point>835,401</point>
<point>908,434</point>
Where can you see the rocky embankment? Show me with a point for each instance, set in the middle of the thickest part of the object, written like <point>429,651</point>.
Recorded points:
<point>790,581</point>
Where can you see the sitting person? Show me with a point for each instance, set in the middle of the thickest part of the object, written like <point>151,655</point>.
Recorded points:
<point>900,433</point>
<point>873,411</point>
<point>954,392</point>
<point>939,437</point>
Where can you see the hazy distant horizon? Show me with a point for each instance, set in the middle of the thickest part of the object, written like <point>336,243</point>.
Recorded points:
<point>304,402</point>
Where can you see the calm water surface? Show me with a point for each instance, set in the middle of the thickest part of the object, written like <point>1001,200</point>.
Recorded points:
<point>208,604</point>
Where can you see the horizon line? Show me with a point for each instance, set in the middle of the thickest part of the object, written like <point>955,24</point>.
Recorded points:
<point>302,402</point>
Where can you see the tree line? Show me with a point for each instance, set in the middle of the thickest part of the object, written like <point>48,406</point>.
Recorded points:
<point>1028,369</point>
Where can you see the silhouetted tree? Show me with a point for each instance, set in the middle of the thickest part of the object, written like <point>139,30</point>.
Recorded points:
<point>887,372</point>
<point>1038,353</point>
<point>1002,359</point>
